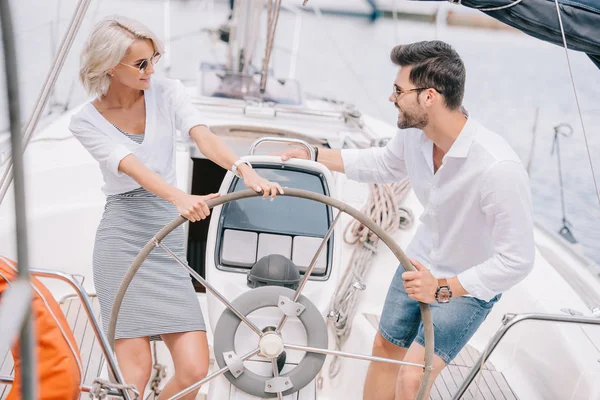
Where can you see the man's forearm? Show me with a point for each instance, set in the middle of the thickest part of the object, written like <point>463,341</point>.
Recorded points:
<point>332,159</point>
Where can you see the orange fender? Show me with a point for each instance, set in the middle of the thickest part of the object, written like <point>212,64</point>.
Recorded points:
<point>58,360</point>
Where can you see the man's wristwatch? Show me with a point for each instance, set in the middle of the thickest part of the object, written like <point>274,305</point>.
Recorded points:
<point>234,167</point>
<point>443,294</point>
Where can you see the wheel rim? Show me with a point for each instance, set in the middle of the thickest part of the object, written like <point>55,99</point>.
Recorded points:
<point>342,207</point>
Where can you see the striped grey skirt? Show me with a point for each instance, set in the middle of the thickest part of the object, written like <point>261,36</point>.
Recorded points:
<point>161,298</point>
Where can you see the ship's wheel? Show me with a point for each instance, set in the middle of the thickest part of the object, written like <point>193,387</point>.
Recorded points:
<point>290,302</point>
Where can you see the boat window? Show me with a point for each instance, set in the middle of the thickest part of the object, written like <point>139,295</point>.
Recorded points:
<point>284,215</point>
<point>254,227</point>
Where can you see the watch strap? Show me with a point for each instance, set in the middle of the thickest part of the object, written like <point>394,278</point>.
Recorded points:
<point>234,167</point>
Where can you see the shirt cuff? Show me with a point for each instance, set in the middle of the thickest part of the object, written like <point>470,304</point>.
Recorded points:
<point>350,159</point>
<point>470,280</point>
<point>115,158</point>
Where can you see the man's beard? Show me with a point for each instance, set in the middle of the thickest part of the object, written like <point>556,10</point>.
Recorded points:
<point>411,120</point>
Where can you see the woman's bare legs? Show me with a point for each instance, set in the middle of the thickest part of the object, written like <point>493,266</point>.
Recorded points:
<point>189,351</point>
<point>135,361</point>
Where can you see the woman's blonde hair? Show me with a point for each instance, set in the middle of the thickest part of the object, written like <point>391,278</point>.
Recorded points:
<point>106,47</point>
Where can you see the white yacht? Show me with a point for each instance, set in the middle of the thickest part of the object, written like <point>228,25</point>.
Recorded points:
<point>553,351</point>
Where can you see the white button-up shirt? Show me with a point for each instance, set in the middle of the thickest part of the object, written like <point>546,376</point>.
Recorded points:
<point>477,220</point>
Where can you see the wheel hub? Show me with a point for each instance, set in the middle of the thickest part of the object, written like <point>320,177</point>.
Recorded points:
<point>271,345</point>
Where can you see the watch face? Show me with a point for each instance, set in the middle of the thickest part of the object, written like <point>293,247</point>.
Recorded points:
<point>443,295</point>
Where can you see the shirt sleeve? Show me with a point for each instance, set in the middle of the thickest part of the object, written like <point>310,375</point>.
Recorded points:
<point>186,114</point>
<point>105,150</point>
<point>377,164</point>
<point>505,199</point>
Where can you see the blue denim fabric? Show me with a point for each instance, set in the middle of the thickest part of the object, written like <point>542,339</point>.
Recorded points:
<point>454,323</point>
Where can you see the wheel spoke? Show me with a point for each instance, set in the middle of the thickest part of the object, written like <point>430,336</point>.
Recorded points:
<point>211,289</point>
<point>337,204</point>
<point>350,355</point>
<point>310,268</point>
<point>276,374</point>
<point>210,377</point>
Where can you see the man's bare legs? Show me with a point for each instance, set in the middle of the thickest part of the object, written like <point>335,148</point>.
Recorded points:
<point>394,382</point>
<point>409,378</point>
<point>380,383</point>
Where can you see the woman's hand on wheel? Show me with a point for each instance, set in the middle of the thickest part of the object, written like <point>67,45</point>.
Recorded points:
<point>194,207</point>
<point>259,184</point>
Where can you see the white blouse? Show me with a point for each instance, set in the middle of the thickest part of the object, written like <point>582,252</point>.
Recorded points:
<point>477,220</point>
<point>168,110</point>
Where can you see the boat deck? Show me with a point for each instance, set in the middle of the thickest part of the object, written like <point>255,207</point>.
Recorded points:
<point>490,385</point>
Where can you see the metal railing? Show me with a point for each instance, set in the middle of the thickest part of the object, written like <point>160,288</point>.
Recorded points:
<point>309,149</point>
<point>85,388</point>
<point>509,321</point>
<point>87,306</point>
<point>24,323</point>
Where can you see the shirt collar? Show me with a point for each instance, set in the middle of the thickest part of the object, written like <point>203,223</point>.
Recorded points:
<point>461,146</point>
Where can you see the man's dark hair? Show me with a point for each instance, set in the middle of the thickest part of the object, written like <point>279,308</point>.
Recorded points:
<point>436,65</point>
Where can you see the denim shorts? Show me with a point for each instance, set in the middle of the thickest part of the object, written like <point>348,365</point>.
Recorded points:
<point>453,323</point>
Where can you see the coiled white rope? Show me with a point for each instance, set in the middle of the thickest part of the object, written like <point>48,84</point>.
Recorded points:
<point>383,208</point>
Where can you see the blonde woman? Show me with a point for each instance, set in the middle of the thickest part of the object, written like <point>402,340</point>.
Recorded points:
<point>130,130</point>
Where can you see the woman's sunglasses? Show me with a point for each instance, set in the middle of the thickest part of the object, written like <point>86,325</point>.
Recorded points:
<point>142,65</point>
